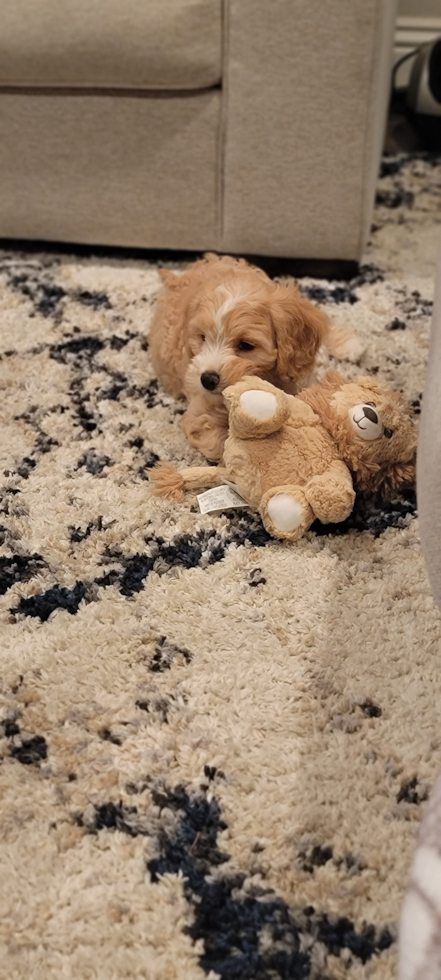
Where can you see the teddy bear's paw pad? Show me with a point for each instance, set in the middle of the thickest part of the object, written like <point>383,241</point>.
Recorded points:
<point>260,405</point>
<point>285,513</point>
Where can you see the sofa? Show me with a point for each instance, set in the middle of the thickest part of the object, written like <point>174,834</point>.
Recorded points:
<point>241,126</point>
<point>429,454</point>
<point>420,928</point>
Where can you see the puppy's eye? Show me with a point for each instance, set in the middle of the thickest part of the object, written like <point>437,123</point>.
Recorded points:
<point>244,345</point>
<point>372,404</point>
<point>388,433</point>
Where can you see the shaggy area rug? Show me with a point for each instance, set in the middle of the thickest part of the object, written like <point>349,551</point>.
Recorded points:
<point>215,748</point>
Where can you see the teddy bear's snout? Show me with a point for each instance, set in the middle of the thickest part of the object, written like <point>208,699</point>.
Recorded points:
<point>370,414</point>
<point>366,422</point>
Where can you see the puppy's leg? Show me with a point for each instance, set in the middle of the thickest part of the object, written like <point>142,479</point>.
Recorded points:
<point>167,343</point>
<point>168,336</point>
<point>343,343</point>
<point>206,428</point>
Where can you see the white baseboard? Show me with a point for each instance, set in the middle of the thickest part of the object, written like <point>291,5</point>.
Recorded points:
<point>410,33</point>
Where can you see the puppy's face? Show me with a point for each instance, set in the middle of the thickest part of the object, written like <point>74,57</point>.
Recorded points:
<point>229,335</point>
<point>250,326</point>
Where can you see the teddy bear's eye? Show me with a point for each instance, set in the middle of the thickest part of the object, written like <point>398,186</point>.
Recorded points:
<point>388,433</point>
<point>202,338</point>
<point>244,345</point>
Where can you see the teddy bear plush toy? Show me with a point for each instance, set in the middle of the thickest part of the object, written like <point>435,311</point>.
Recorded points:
<point>298,458</point>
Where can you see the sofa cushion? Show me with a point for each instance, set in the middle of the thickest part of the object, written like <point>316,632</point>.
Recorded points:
<point>140,44</point>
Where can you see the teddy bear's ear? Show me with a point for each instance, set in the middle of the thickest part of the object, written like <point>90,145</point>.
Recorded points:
<point>318,396</point>
<point>334,380</point>
<point>376,388</point>
<point>397,476</point>
<point>300,328</point>
<point>388,479</point>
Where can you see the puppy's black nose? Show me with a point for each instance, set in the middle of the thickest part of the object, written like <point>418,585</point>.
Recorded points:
<point>370,414</point>
<point>210,380</point>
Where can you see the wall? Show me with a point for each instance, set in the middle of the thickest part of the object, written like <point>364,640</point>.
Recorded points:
<point>419,8</point>
<point>418,22</point>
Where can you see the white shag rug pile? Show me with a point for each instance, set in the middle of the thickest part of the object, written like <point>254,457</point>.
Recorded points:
<point>214,748</point>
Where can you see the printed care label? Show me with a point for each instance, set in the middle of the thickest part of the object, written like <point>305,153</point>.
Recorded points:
<point>220,498</point>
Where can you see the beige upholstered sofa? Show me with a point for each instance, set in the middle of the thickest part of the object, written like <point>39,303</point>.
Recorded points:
<point>429,453</point>
<point>245,126</point>
<point>420,933</point>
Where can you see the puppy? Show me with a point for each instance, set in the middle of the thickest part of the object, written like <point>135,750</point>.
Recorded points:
<point>223,319</point>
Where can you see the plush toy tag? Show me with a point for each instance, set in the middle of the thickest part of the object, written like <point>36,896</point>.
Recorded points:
<point>220,498</point>
<point>233,487</point>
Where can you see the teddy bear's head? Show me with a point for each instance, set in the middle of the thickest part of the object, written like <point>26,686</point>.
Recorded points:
<point>373,428</point>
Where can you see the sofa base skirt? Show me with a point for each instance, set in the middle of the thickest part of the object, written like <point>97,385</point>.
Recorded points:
<point>111,169</point>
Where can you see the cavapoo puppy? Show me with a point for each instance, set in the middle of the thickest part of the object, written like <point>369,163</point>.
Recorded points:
<point>223,319</point>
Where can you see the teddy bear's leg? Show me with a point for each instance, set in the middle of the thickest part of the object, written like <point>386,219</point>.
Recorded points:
<point>256,408</point>
<point>167,481</point>
<point>331,495</point>
<point>286,512</point>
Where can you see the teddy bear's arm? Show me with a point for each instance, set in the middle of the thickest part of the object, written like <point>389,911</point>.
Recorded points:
<point>331,495</point>
<point>255,408</point>
<point>300,413</point>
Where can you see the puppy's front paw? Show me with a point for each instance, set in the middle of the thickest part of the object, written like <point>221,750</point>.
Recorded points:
<point>205,435</point>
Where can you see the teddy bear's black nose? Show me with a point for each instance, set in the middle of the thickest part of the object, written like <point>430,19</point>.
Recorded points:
<point>370,414</point>
<point>210,380</point>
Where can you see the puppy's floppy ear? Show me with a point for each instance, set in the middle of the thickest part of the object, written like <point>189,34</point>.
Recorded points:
<point>300,328</point>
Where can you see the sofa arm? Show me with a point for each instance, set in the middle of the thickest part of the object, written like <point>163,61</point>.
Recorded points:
<point>305,100</point>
